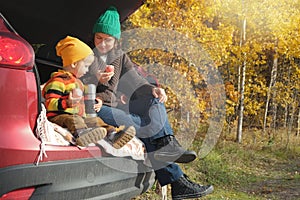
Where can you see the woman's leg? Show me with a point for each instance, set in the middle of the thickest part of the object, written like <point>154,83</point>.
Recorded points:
<point>117,117</point>
<point>155,123</point>
<point>157,129</point>
<point>165,172</point>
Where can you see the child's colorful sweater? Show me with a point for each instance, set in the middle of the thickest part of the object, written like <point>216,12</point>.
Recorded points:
<point>56,93</point>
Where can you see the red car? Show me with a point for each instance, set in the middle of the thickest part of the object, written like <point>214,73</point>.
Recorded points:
<point>67,172</point>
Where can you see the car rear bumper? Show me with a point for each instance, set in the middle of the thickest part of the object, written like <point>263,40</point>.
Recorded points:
<point>99,178</point>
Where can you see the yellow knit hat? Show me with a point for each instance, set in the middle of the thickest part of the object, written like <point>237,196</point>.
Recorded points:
<point>71,50</point>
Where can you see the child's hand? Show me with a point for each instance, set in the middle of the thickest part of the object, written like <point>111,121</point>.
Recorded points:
<point>75,97</point>
<point>76,93</point>
<point>98,105</point>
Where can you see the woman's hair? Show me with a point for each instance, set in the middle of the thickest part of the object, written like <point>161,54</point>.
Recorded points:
<point>91,43</point>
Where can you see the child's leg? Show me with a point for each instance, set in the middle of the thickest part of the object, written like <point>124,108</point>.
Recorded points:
<point>77,126</point>
<point>98,122</point>
<point>71,122</point>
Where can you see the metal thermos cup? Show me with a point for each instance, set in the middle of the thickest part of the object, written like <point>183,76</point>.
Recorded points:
<point>89,100</point>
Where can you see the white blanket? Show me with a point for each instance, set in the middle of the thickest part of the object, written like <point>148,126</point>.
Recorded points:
<point>53,134</point>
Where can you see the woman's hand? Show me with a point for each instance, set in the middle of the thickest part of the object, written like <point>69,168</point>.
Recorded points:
<point>160,94</point>
<point>123,99</point>
<point>104,77</point>
<point>98,105</point>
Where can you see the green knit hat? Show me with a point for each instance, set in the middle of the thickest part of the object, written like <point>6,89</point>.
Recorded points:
<point>109,23</point>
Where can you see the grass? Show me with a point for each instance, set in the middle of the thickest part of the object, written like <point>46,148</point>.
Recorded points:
<point>257,170</point>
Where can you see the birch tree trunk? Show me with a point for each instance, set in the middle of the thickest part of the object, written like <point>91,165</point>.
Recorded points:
<point>286,111</point>
<point>290,109</point>
<point>287,107</point>
<point>290,124</point>
<point>271,85</point>
<point>274,120</point>
<point>298,123</point>
<point>242,88</point>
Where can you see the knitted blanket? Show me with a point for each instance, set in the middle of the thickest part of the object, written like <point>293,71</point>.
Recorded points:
<point>53,134</point>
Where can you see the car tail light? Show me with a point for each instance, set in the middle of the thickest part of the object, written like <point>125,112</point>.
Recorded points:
<point>20,194</point>
<point>15,52</point>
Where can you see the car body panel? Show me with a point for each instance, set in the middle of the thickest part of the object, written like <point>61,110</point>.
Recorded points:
<point>63,172</point>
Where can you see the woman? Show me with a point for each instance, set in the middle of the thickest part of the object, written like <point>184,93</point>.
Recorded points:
<point>145,110</point>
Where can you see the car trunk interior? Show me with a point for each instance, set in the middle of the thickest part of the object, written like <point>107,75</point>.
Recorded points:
<point>44,23</point>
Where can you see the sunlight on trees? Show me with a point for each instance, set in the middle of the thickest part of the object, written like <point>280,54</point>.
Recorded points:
<point>272,36</point>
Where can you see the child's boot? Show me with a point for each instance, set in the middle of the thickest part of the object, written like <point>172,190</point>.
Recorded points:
<point>84,137</point>
<point>121,136</point>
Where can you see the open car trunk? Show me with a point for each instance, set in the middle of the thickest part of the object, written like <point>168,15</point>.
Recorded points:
<point>67,172</point>
<point>44,23</point>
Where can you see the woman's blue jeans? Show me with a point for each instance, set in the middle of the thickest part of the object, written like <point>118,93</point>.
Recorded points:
<point>149,117</point>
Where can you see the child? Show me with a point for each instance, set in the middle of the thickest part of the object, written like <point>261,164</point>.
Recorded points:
<point>64,100</point>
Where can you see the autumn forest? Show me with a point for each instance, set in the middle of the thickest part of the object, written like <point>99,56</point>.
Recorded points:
<point>253,46</point>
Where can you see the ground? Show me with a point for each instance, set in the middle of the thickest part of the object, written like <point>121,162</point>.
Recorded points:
<point>283,183</point>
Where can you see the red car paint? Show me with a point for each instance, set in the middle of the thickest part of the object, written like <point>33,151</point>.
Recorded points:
<point>75,173</point>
